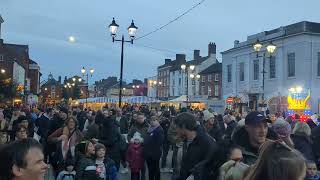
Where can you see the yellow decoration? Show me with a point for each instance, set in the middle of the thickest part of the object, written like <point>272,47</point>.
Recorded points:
<point>296,104</point>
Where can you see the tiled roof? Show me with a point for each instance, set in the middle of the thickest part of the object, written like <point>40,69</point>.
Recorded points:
<point>214,68</point>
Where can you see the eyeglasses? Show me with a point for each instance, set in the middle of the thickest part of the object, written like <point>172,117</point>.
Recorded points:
<point>22,131</point>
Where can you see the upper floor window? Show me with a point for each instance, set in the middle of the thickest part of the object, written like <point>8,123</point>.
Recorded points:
<point>203,78</point>
<point>229,73</point>
<point>1,57</point>
<point>291,64</point>
<point>241,72</point>
<point>216,77</point>
<point>209,78</point>
<point>272,67</point>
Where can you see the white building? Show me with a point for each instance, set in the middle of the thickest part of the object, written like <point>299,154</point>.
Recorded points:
<point>296,62</point>
<point>178,77</point>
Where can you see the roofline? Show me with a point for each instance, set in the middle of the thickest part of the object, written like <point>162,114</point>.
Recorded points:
<point>267,40</point>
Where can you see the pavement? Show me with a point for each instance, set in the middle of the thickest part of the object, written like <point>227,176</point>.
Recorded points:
<point>126,176</point>
<point>163,175</point>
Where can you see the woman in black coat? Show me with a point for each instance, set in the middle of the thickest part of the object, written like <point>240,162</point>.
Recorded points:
<point>301,138</point>
<point>111,138</point>
<point>152,148</point>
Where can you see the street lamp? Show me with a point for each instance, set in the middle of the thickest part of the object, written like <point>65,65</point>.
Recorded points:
<point>132,29</point>
<point>185,68</point>
<point>257,46</point>
<point>85,73</point>
<point>3,71</point>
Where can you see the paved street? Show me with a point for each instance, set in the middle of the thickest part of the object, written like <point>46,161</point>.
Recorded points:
<point>164,176</point>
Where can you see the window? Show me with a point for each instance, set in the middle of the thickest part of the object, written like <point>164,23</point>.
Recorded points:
<point>241,72</point>
<point>209,78</point>
<point>193,82</point>
<point>209,91</point>
<point>216,77</point>
<point>173,82</point>
<point>291,65</point>
<point>203,78</point>
<point>1,57</point>
<point>256,69</point>
<point>216,90</point>
<point>229,68</point>
<point>272,68</point>
<point>202,90</point>
<point>318,64</point>
<point>179,81</point>
<point>173,73</point>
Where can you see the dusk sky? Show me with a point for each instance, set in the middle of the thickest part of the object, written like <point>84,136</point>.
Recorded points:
<point>45,26</point>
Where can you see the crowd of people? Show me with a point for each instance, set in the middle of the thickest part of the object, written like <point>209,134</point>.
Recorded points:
<point>86,144</point>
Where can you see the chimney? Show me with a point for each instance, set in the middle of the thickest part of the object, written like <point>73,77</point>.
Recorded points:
<point>212,49</point>
<point>166,61</point>
<point>1,21</point>
<point>181,57</point>
<point>196,54</point>
<point>236,42</point>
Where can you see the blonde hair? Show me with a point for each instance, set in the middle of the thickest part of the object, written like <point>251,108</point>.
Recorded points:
<point>302,129</point>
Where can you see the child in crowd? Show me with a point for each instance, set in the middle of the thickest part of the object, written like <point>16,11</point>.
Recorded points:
<point>68,173</point>
<point>312,171</point>
<point>233,169</point>
<point>105,167</point>
<point>135,156</point>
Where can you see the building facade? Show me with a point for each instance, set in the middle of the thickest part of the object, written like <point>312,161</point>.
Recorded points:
<point>211,81</point>
<point>295,63</point>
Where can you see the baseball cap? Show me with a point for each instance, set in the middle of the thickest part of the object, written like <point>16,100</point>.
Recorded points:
<point>255,117</point>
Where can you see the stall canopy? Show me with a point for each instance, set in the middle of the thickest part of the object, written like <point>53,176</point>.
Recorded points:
<point>181,99</point>
<point>129,99</point>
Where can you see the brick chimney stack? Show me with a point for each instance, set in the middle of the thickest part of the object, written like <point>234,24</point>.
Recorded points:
<point>212,49</point>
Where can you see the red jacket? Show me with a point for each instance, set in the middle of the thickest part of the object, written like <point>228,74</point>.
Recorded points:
<point>135,157</point>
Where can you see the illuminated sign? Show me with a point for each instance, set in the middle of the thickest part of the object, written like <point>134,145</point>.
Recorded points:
<point>298,99</point>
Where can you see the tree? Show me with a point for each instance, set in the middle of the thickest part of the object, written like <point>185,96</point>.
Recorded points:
<point>76,92</point>
<point>8,88</point>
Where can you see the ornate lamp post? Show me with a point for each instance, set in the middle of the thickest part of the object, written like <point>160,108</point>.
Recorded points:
<point>113,27</point>
<point>257,46</point>
<point>86,74</point>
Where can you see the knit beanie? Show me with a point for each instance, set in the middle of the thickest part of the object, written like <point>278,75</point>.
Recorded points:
<point>207,115</point>
<point>282,128</point>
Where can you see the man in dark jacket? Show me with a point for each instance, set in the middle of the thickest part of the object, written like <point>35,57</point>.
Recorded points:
<point>231,123</point>
<point>42,123</point>
<point>199,149</point>
<point>140,125</point>
<point>165,124</point>
<point>252,135</point>
<point>58,120</point>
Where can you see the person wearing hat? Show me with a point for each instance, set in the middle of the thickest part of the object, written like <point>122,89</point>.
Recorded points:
<point>211,125</point>
<point>283,130</point>
<point>254,133</point>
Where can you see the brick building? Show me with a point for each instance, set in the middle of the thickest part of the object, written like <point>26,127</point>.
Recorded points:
<point>211,81</point>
